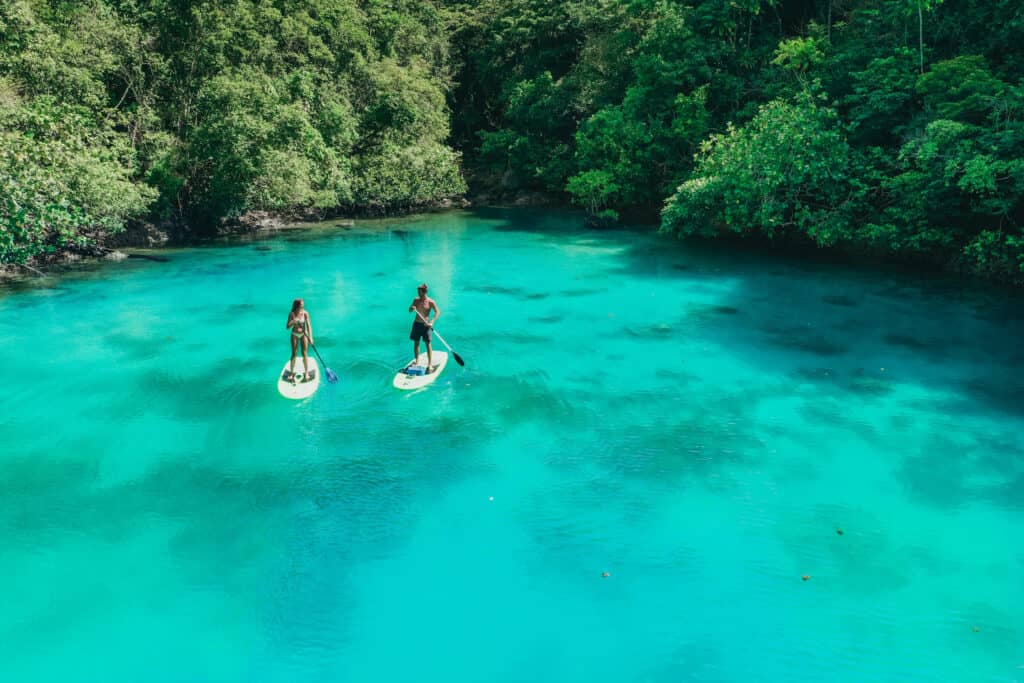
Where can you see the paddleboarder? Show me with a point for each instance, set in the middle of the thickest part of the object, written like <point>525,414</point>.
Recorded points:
<point>302,332</point>
<point>423,324</point>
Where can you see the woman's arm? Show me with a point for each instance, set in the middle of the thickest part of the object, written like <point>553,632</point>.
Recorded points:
<point>309,328</point>
<point>288,325</point>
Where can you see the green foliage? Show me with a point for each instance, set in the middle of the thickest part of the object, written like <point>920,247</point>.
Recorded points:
<point>408,177</point>
<point>893,125</point>
<point>65,178</point>
<point>996,254</point>
<point>883,96</point>
<point>783,173</point>
<point>961,88</point>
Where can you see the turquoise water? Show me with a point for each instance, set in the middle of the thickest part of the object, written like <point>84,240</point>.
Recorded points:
<point>699,425</point>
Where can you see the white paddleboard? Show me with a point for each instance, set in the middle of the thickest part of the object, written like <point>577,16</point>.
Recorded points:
<point>404,380</point>
<point>302,388</point>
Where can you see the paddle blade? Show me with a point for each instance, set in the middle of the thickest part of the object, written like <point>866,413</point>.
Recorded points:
<point>458,358</point>
<point>331,377</point>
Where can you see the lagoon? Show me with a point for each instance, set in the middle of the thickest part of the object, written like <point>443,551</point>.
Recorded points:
<point>705,427</point>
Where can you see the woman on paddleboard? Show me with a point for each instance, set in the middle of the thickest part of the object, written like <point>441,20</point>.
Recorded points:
<point>422,325</point>
<point>302,332</point>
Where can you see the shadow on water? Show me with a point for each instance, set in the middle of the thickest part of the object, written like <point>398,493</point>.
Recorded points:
<point>852,321</point>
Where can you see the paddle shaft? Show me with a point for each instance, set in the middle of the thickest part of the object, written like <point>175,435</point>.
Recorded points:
<point>331,377</point>
<point>458,358</point>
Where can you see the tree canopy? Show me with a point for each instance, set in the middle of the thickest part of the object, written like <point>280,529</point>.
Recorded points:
<point>888,125</point>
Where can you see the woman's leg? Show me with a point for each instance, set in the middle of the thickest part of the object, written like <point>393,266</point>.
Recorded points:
<point>305,358</point>
<point>291,367</point>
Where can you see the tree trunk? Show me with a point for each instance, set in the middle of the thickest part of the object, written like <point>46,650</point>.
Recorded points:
<point>920,34</point>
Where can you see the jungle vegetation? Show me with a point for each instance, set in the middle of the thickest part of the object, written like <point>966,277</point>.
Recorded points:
<point>890,127</point>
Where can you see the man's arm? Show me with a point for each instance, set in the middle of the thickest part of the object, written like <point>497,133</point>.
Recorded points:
<point>412,306</point>
<point>437,311</point>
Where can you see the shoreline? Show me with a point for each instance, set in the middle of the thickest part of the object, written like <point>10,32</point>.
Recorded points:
<point>148,240</point>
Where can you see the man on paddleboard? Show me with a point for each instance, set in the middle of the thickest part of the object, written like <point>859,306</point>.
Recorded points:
<point>422,325</point>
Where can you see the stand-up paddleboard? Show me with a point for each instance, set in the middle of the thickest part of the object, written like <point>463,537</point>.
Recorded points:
<point>303,387</point>
<point>413,375</point>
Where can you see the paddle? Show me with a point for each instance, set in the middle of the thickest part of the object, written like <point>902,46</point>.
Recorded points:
<point>458,358</point>
<point>331,377</point>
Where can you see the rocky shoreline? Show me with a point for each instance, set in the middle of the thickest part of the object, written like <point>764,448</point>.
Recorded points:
<point>140,237</point>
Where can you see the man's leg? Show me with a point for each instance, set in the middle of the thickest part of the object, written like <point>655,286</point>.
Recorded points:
<point>430,360</point>
<point>415,351</point>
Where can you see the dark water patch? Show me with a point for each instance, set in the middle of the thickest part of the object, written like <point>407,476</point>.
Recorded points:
<point>263,247</point>
<point>1000,312</point>
<point>676,375</point>
<point>658,331</point>
<point>132,347</point>
<point>244,396</point>
<point>1004,393</point>
<point>580,292</point>
<point>570,528</point>
<point>1009,494</point>
<point>199,395</point>
<point>933,347</point>
<point>840,300</point>
<point>693,448</point>
<point>860,382</point>
<point>835,414</point>
<point>270,344</point>
<point>380,273</point>
<point>817,345</point>
<point>64,494</point>
<point>522,338</point>
<point>516,292</point>
<point>937,474</point>
<point>546,319</point>
<point>948,473</point>
<point>865,559</point>
<point>39,493</point>
<point>373,502</point>
<point>868,383</point>
<point>819,374</point>
<point>523,398</point>
<point>704,438</point>
<point>493,289</point>
<point>708,312</point>
<point>802,339</point>
<point>362,368</point>
<point>908,342</point>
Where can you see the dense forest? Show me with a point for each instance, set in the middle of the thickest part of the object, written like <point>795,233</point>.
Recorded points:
<point>889,127</point>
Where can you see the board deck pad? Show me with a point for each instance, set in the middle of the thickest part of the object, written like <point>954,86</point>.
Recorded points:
<point>301,388</point>
<point>403,380</point>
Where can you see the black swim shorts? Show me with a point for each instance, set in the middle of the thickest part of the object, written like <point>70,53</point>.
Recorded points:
<point>420,331</point>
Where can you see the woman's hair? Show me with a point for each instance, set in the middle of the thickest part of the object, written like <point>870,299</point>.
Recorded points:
<point>296,304</point>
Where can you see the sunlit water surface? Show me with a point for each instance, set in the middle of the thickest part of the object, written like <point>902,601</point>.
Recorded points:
<point>705,427</point>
